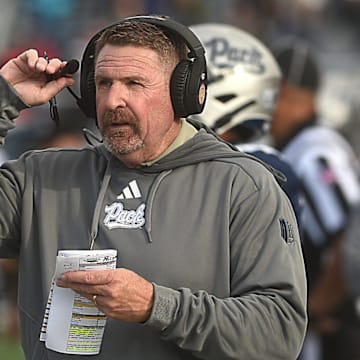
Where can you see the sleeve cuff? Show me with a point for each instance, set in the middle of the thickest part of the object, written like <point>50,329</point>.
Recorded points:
<point>164,308</point>
<point>10,97</point>
<point>10,106</point>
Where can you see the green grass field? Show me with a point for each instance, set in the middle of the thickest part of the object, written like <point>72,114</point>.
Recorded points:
<point>10,350</point>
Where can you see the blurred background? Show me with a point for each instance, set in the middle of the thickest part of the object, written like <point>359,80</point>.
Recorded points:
<point>63,27</point>
<point>332,27</point>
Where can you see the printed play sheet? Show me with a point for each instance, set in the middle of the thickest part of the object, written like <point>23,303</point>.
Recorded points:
<point>73,324</point>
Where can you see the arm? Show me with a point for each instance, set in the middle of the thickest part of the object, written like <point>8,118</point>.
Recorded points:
<point>264,317</point>
<point>10,106</point>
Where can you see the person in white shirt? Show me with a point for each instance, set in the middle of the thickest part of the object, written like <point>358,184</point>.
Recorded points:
<point>328,170</point>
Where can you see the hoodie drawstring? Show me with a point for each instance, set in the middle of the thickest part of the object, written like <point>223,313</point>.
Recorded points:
<point>150,200</point>
<point>99,201</point>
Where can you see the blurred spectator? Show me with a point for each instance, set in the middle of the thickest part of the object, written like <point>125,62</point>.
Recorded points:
<point>328,169</point>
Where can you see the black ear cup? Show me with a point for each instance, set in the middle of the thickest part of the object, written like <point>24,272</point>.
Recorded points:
<point>88,92</point>
<point>178,85</point>
<point>188,84</point>
<point>188,88</point>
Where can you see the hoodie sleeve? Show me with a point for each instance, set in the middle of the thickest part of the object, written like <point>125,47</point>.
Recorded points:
<point>11,184</point>
<point>10,106</point>
<point>265,315</point>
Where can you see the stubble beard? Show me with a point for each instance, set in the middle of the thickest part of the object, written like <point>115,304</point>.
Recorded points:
<point>121,141</point>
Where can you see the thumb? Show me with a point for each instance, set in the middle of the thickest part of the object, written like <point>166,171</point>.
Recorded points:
<point>55,86</point>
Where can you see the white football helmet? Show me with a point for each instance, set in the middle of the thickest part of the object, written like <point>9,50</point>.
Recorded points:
<point>244,80</point>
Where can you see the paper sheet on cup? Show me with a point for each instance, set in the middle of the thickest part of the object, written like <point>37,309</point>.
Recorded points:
<point>72,324</point>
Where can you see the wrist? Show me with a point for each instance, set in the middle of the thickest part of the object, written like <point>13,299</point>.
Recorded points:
<point>11,98</point>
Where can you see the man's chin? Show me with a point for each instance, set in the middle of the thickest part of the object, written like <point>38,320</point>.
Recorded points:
<point>118,146</point>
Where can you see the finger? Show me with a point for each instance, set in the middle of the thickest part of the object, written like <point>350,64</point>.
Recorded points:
<point>90,297</point>
<point>86,290</point>
<point>29,56</point>
<point>53,66</point>
<point>56,67</point>
<point>34,61</point>
<point>100,302</point>
<point>52,88</point>
<point>96,299</point>
<point>88,277</point>
<point>41,64</point>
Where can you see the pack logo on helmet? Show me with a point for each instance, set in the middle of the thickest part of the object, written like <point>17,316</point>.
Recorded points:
<point>222,54</point>
<point>243,80</point>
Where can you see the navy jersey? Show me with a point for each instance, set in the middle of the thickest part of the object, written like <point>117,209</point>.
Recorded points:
<point>271,156</point>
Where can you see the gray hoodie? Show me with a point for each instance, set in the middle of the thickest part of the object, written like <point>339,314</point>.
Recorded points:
<point>208,225</point>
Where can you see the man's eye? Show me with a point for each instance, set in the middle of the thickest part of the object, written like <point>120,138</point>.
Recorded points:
<point>134,83</point>
<point>103,83</point>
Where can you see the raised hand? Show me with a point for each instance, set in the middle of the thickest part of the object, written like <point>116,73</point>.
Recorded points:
<point>29,75</point>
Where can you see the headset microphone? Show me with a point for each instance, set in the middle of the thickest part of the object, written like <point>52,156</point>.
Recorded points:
<point>71,67</point>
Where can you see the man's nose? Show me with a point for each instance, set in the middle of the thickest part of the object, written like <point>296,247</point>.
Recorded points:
<point>117,96</point>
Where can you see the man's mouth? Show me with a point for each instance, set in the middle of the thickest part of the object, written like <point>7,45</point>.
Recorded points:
<point>120,123</point>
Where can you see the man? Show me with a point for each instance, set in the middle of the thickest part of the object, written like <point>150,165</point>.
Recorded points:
<point>328,170</point>
<point>209,257</point>
<point>244,81</point>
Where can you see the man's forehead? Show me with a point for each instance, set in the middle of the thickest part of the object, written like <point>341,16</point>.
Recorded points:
<point>126,55</point>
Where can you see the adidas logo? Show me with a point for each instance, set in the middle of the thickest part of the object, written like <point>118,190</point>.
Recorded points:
<point>131,191</point>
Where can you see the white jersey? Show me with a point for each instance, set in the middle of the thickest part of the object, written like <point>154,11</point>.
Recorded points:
<point>329,170</point>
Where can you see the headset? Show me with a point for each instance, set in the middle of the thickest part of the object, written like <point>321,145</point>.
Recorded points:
<point>188,84</point>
